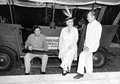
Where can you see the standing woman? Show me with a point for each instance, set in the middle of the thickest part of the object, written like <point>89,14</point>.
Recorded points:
<point>68,46</point>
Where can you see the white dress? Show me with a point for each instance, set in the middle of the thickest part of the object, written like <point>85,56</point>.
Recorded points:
<point>66,54</point>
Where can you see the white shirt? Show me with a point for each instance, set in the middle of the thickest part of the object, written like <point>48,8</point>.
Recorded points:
<point>93,35</point>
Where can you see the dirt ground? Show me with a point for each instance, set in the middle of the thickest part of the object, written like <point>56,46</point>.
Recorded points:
<point>112,65</point>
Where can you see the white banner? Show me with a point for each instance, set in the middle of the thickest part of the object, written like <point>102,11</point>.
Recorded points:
<point>52,42</point>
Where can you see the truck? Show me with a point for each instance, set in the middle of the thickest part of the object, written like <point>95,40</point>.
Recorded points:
<point>12,44</point>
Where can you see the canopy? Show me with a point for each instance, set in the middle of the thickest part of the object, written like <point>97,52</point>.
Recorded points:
<point>81,2</point>
<point>42,3</point>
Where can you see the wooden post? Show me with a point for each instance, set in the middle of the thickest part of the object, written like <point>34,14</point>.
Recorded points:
<point>102,11</point>
<point>115,22</point>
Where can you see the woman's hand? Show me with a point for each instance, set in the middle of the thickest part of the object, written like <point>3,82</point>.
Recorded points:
<point>70,47</point>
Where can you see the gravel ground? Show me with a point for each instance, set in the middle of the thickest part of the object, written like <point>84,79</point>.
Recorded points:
<point>111,66</point>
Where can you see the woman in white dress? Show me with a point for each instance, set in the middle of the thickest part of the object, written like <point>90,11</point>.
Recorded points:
<point>68,46</point>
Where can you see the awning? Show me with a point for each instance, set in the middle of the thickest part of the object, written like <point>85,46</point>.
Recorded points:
<point>42,3</point>
<point>59,4</point>
<point>81,2</point>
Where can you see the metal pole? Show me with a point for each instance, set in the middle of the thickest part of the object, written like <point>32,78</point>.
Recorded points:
<point>46,17</point>
<point>75,11</point>
<point>52,24</point>
<point>53,12</point>
<point>93,5</point>
<point>10,11</point>
<point>14,14</point>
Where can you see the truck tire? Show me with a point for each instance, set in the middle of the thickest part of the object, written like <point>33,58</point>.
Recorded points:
<point>7,59</point>
<point>99,58</point>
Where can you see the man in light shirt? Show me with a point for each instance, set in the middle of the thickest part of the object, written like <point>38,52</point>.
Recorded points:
<point>36,41</point>
<point>91,44</point>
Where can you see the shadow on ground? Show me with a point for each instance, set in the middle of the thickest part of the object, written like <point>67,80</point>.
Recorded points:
<point>111,66</point>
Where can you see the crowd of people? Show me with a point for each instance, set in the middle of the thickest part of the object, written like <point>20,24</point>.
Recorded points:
<point>67,46</point>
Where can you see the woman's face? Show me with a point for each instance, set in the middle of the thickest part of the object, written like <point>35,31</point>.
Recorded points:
<point>69,23</point>
<point>37,31</point>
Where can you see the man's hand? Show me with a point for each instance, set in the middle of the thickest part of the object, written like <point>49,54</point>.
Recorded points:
<point>26,46</point>
<point>30,47</point>
<point>86,49</point>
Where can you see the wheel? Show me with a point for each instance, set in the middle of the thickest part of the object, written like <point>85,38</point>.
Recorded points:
<point>99,58</point>
<point>7,59</point>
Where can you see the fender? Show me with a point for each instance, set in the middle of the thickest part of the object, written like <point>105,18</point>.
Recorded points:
<point>13,52</point>
<point>106,51</point>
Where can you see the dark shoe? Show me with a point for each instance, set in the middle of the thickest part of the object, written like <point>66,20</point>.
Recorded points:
<point>43,73</point>
<point>78,76</point>
<point>27,73</point>
<point>64,73</point>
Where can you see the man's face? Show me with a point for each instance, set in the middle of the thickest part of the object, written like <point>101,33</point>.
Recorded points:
<point>90,18</point>
<point>37,31</point>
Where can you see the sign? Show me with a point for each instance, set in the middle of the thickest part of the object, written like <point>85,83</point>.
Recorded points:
<point>52,42</point>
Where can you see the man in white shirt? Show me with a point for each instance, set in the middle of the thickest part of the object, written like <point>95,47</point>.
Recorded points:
<point>91,44</point>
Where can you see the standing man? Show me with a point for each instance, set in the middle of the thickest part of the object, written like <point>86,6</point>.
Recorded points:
<point>91,44</point>
<point>36,41</point>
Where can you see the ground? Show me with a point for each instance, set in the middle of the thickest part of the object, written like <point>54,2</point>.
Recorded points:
<point>112,65</point>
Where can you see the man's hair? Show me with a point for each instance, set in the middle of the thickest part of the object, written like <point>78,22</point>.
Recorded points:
<point>35,27</point>
<point>93,13</point>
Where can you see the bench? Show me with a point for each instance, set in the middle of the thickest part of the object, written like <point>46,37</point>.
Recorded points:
<point>53,60</point>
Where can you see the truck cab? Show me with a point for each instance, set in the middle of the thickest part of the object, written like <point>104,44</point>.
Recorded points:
<point>11,44</point>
